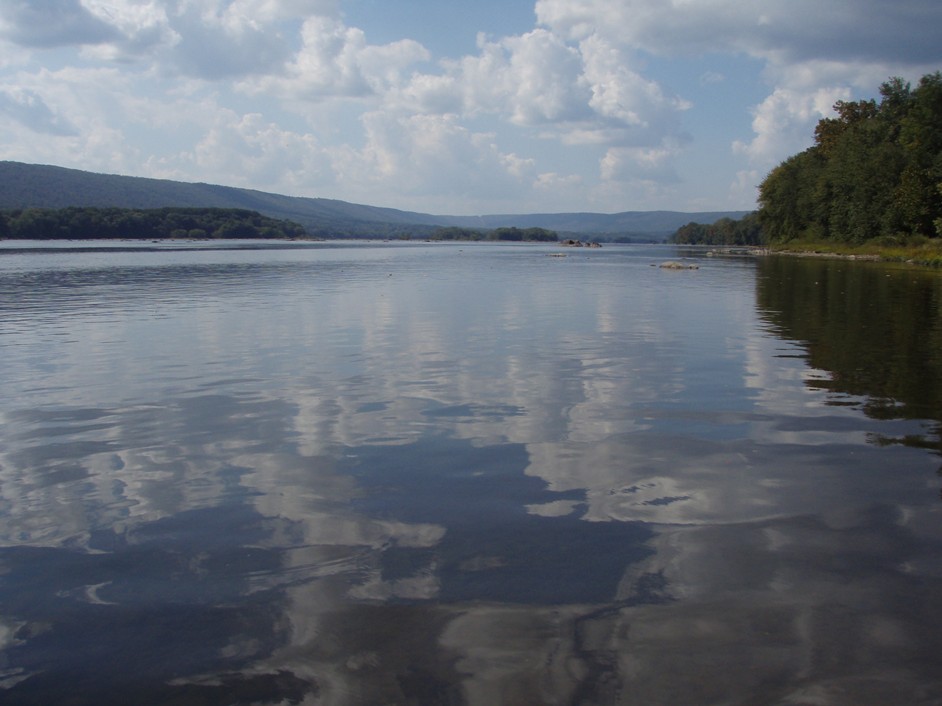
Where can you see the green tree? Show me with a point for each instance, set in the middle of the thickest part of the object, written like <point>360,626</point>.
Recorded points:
<point>788,198</point>
<point>874,171</point>
<point>918,196</point>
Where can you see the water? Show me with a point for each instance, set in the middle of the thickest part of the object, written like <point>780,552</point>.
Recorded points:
<point>466,474</point>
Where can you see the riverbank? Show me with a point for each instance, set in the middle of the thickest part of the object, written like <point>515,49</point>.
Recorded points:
<point>926,254</point>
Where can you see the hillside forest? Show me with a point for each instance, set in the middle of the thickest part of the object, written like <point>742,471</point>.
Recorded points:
<point>873,175</point>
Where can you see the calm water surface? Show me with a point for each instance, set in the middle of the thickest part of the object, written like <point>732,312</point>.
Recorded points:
<point>466,474</point>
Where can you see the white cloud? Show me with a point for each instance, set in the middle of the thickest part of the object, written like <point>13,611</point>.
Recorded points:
<point>584,93</point>
<point>337,61</point>
<point>623,95</point>
<point>428,93</point>
<point>532,79</point>
<point>782,122</point>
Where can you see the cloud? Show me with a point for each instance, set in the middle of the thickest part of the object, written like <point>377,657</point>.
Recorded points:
<point>279,10</point>
<point>633,163</point>
<point>97,119</point>
<point>337,61</point>
<point>210,39</point>
<point>421,129</point>
<point>625,97</point>
<point>532,79</point>
<point>783,31</point>
<point>814,52</point>
<point>138,28</point>
<point>247,150</point>
<point>409,161</point>
<point>711,77</point>
<point>51,23</point>
<point>782,120</point>
<point>226,46</point>
<point>413,157</point>
<point>582,93</point>
<point>418,134</point>
<point>30,110</point>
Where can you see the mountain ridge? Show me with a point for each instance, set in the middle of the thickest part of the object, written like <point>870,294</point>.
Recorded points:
<point>25,185</point>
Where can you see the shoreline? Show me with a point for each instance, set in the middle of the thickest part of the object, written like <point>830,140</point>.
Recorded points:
<point>926,257</point>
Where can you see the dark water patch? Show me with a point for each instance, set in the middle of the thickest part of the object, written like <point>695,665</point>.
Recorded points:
<point>164,602</point>
<point>493,549</point>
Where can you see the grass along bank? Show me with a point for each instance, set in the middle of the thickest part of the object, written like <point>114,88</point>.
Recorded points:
<point>914,251</point>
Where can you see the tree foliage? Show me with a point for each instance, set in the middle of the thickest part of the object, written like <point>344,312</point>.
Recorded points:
<point>726,231</point>
<point>86,223</point>
<point>874,171</point>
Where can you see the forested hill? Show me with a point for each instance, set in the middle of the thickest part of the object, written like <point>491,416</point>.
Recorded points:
<point>49,187</point>
<point>874,173</point>
<point>42,186</point>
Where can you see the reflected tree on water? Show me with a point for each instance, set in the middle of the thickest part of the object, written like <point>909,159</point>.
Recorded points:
<point>876,330</point>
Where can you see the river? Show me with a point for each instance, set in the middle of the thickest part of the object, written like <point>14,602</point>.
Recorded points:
<point>412,473</point>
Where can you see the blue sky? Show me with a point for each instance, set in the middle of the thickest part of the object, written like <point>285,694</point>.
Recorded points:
<point>486,107</point>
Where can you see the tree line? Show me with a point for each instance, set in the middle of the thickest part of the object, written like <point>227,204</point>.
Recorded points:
<point>873,174</point>
<point>726,231</point>
<point>511,234</point>
<point>94,223</point>
<point>91,223</point>
<point>874,171</point>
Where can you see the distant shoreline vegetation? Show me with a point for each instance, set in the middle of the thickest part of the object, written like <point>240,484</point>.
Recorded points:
<point>88,223</point>
<point>871,180</point>
<point>513,235</point>
<point>95,223</point>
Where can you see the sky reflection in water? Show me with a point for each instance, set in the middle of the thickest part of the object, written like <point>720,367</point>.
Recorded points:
<point>450,474</point>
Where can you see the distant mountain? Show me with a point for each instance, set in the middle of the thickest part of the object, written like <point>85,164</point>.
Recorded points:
<point>43,186</point>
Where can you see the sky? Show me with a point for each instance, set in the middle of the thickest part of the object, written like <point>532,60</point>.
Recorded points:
<point>485,107</point>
